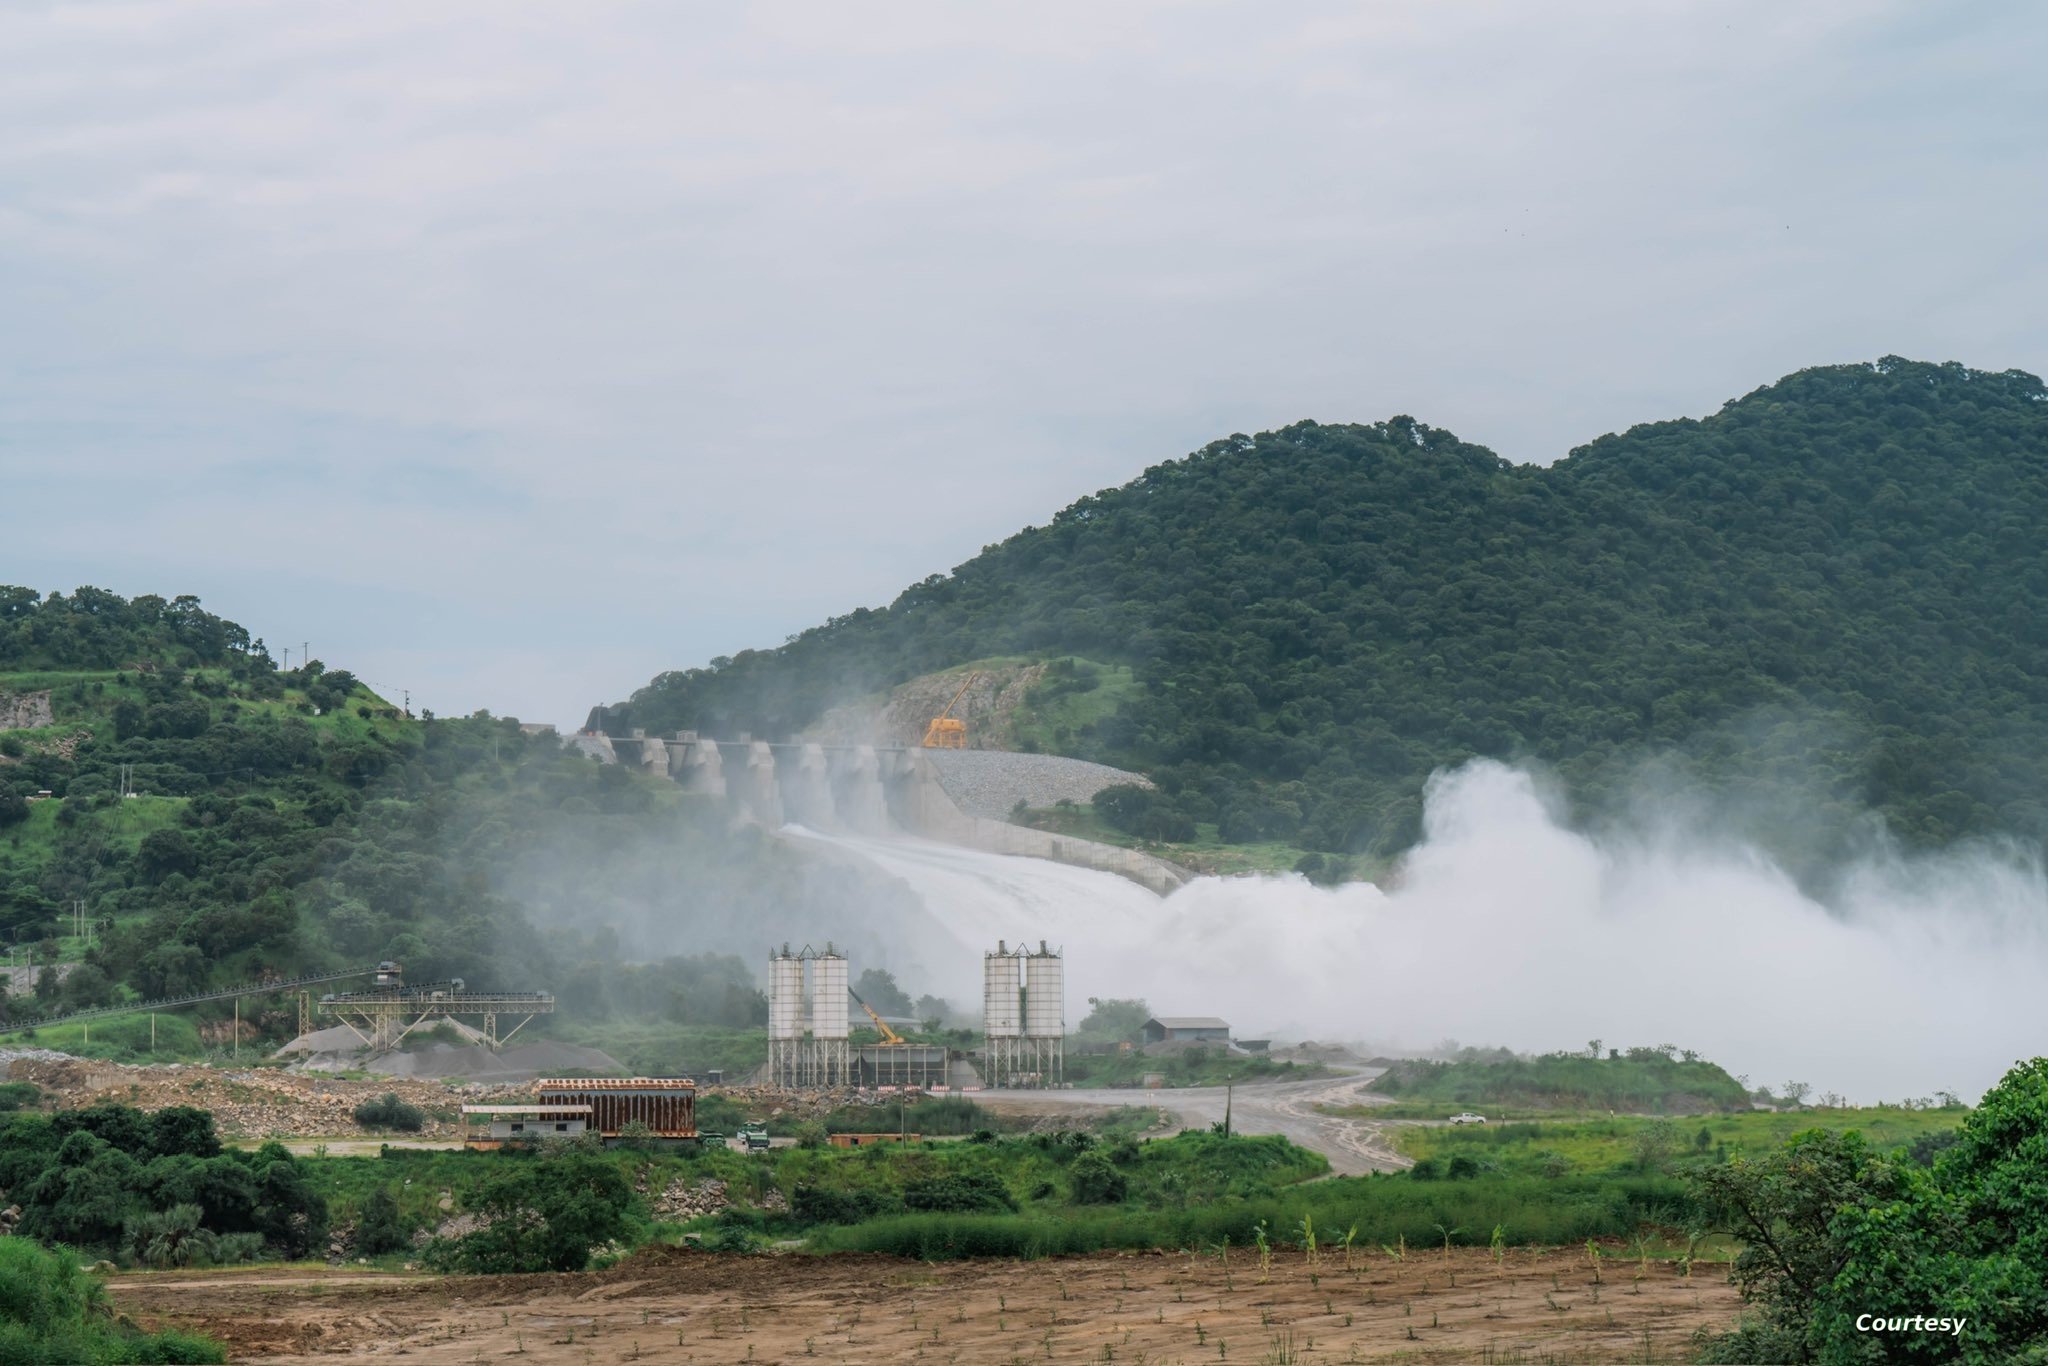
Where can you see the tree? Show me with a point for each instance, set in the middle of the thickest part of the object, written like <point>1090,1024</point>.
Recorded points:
<point>878,988</point>
<point>1783,1207</point>
<point>379,1229</point>
<point>169,1238</point>
<point>1113,1020</point>
<point>546,1218</point>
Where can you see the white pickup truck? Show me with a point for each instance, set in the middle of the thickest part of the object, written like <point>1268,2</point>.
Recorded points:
<point>1468,1118</point>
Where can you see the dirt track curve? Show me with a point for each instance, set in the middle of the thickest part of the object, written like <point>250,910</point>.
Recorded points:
<point>1287,1107</point>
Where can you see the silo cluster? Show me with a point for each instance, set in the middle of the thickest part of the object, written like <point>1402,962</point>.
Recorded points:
<point>807,1020</point>
<point>1024,1016</point>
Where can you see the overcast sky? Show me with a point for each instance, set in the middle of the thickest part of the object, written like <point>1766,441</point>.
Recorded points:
<point>514,353</point>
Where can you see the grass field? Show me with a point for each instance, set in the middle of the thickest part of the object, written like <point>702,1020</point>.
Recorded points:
<point>1634,1144</point>
<point>126,1038</point>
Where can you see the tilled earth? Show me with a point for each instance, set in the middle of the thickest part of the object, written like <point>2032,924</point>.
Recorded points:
<point>667,1305</point>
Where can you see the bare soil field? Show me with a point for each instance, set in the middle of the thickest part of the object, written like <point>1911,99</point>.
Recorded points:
<point>672,1306</point>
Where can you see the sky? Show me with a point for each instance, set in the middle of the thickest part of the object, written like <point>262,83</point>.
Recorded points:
<point>510,354</point>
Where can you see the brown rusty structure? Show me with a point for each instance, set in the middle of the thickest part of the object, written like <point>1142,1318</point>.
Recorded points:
<point>666,1105</point>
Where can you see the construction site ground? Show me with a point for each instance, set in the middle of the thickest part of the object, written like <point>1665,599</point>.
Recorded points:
<point>300,1108</point>
<point>670,1305</point>
<point>1292,1108</point>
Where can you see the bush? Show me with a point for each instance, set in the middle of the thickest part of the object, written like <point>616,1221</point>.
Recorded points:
<point>389,1112</point>
<point>821,1205</point>
<point>547,1217</point>
<point>962,1193</point>
<point>1097,1181</point>
<point>380,1228</point>
<point>172,1238</point>
<point>52,1311</point>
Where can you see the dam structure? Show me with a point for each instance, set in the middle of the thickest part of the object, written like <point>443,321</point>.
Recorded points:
<point>881,790</point>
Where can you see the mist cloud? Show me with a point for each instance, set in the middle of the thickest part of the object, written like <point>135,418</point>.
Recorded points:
<point>1507,927</point>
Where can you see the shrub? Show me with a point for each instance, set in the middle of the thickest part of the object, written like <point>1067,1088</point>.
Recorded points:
<point>380,1228</point>
<point>52,1311</point>
<point>1097,1181</point>
<point>962,1193</point>
<point>389,1112</point>
<point>821,1205</point>
<point>547,1217</point>
<point>172,1238</point>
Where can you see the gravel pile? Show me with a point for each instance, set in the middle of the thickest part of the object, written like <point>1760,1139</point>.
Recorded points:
<point>990,782</point>
<point>8,1055</point>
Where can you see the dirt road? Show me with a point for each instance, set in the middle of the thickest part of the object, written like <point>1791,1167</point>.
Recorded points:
<point>668,1306</point>
<point>1354,1146</point>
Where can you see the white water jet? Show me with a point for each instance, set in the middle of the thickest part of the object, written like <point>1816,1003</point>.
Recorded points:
<point>1507,928</point>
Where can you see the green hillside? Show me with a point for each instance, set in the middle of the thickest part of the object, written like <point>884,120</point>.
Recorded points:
<point>1819,598</point>
<point>291,820</point>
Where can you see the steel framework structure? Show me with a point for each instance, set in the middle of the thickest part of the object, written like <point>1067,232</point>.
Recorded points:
<point>382,1019</point>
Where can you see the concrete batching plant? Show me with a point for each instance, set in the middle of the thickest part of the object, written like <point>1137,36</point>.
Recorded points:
<point>1024,1016</point>
<point>807,1019</point>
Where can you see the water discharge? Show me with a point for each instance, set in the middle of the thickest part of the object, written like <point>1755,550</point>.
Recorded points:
<point>1508,928</point>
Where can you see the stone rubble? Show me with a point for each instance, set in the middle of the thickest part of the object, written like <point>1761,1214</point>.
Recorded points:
<point>257,1102</point>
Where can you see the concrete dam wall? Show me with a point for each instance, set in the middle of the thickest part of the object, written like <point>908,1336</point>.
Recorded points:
<point>879,790</point>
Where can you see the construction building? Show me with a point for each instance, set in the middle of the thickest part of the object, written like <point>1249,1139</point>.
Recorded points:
<point>665,1106</point>
<point>493,1126</point>
<point>1186,1029</point>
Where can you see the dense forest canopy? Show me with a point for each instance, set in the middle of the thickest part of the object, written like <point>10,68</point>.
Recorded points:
<point>1821,597</point>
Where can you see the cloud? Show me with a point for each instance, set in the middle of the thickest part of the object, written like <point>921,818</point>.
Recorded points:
<point>697,324</point>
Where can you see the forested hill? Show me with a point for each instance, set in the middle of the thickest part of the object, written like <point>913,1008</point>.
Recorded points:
<point>1825,594</point>
<point>222,820</point>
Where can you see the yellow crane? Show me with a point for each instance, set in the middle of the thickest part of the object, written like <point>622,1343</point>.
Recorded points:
<point>890,1038</point>
<point>948,731</point>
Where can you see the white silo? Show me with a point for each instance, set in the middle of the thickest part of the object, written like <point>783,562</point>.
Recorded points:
<point>828,997</point>
<point>1045,995</point>
<point>785,996</point>
<point>1002,982</point>
<point>785,1018</point>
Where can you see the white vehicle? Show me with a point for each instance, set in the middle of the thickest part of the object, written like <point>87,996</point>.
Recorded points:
<point>1468,1118</point>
